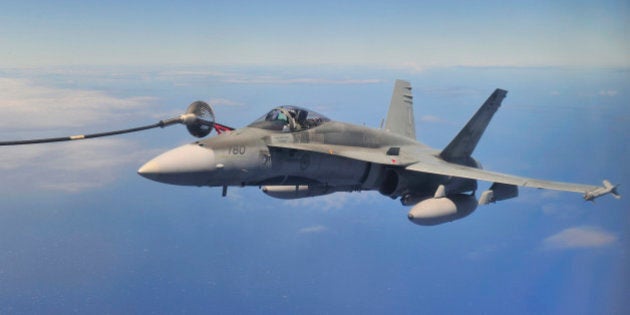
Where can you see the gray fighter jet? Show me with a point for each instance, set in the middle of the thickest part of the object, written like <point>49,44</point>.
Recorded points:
<point>291,152</point>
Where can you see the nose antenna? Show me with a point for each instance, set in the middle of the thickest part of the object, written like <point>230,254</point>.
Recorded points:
<point>199,119</point>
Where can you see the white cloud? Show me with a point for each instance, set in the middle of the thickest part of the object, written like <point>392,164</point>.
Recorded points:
<point>579,237</point>
<point>313,229</point>
<point>411,66</point>
<point>224,102</point>
<point>25,105</point>
<point>431,119</point>
<point>278,80</point>
<point>185,77</point>
<point>193,73</point>
<point>68,167</point>
<point>456,91</point>
<point>29,108</point>
<point>608,93</point>
<point>333,201</point>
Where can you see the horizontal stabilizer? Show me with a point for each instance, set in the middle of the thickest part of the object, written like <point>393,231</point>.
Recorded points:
<point>463,145</point>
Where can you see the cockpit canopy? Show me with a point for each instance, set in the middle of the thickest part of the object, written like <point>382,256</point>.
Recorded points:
<point>289,118</point>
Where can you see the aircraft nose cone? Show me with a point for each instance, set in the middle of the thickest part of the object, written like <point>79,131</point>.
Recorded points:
<point>186,165</point>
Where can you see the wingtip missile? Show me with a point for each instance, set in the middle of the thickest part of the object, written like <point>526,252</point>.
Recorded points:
<point>608,188</point>
<point>612,189</point>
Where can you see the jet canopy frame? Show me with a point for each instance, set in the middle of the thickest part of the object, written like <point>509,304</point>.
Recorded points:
<point>289,118</point>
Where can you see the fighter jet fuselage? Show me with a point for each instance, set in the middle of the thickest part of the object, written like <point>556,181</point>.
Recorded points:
<point>292,152</point>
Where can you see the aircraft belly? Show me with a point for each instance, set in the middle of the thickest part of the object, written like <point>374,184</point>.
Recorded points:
<point>320,168</point>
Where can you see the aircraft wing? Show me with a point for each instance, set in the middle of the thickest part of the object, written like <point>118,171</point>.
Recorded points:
<point>441,167</point>
<point>434,165</point>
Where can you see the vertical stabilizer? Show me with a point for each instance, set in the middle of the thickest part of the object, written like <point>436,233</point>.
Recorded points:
<point>400,115</point>
<point>463,145</point>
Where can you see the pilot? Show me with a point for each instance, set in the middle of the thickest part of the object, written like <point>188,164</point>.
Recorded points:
<point>286,118</point>
<point>293,123</point>
<point>276,114</point>
<point>290,121</point>
<point>300,120</point>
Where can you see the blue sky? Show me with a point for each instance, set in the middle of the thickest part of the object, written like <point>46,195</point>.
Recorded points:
<point>81,232</point>
<point>392,33</point>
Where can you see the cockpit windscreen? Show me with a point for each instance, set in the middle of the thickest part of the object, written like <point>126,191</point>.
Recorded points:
<point>289,118</point>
